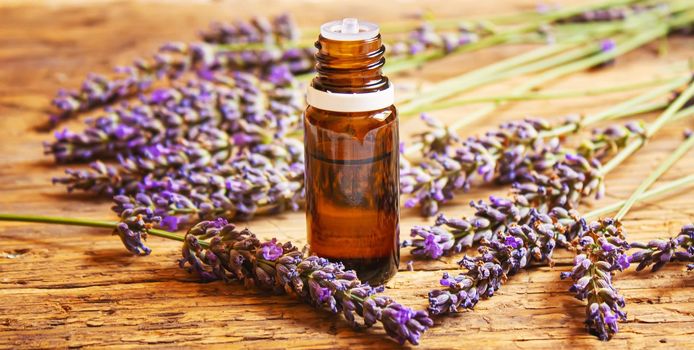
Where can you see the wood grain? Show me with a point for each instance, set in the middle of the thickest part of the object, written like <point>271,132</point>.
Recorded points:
<point>76,287</point>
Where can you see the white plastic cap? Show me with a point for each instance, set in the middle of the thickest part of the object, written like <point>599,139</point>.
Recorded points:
<point>349,29</point>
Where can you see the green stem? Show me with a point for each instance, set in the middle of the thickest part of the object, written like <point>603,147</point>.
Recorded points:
<point>561,71</point>
<point>667,188</point>
<point>626,108</point>
<point>82,222</point>
<point>652,129</point>
<point>465,82</point>
<point>641,109</point>
<point>685,113</point>
<point>622,110</point>
<point>523,64</point>
<point>662,168</point>
<point>501,37</point>
<point>554,95</point>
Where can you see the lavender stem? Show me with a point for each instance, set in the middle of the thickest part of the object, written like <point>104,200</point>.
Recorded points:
<point>555,95</point>
<point>662,168</point>
<point>652,129</point>
<point>61,220</point>
<point>680,183</point>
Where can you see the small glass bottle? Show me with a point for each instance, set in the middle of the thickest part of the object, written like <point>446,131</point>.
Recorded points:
<point>352,150</point>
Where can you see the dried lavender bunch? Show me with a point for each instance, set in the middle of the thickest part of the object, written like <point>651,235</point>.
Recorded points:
<point>501,256</point>
<point>657,253</point>
<point>571,178</point>
<point>601,250</point>
<point>194,147</point>
<point>217,250</point>
<point>174,60</point>
<point>514,153</point>
<point>245,185</point>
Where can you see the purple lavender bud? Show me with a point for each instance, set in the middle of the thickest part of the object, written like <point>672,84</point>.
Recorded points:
<point>607,45</point>
<point>271,250</point>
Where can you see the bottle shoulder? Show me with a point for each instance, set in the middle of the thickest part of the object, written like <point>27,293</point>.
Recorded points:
<point>317,116</point>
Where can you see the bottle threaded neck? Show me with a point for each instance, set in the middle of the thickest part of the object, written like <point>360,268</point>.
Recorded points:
<point>350,66</point>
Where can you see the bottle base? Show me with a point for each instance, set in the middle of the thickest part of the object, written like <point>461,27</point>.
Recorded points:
<point>375,271</point>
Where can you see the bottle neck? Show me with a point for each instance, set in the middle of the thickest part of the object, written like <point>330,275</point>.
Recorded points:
<point>350,66</point>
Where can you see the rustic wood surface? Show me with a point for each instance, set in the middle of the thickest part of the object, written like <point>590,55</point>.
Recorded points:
<point>77,287</point>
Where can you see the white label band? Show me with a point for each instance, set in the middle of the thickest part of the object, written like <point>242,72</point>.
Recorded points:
<point>364,102</point>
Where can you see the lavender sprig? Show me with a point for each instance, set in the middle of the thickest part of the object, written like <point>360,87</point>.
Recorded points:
<point>453,164</point>
<point>230,253</point>
<point>519,247</point>
<point>657,253</point>
<point>601,250</point>
<point>425,37</point>
<point>276,31</point>
<point>562,185</point>
<point>611,14</point>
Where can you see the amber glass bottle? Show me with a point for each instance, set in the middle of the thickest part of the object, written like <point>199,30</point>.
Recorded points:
<point>351,140</point>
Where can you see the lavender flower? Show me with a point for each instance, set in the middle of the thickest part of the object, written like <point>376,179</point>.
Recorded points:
<point>425,37</point>
<point>217,250</point>
<point>611,14</point>
<point>133,227</point>
<point>600,251</point>
<point>657,253</point>
<point>279,30</point>
<point>566,185</point>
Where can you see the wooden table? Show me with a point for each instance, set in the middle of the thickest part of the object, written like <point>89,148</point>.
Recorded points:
<point>77,287</point>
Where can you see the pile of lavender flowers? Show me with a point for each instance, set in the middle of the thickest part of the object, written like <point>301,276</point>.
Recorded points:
<point>176,59</point>
<point>194,150</point>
